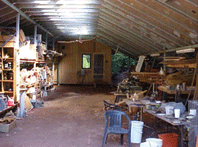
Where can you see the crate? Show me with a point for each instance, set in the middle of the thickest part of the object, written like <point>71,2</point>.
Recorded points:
<point>7,127</point>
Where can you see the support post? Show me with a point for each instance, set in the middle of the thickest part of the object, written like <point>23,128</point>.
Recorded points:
<point>21,112</point>
<point>35,35</point>
<point>53,57</point>
<point>17,30</point>
<point>164,66</point>
<point>46,41</point>
<point>17,63</point>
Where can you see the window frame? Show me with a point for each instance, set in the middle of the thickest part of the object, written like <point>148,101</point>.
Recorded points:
<point>82,60</point>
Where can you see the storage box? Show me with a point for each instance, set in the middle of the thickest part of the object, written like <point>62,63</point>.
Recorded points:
<point>7,127</point>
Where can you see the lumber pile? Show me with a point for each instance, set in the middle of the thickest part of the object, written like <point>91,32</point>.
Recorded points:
<point>148,77</point>
<point>9,34</point>
<point>178,78</point>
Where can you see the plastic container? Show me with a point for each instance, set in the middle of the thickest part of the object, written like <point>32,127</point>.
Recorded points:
<point>169,139</point>
<point>148,106</point>
<point>136,131</point>
<point>169,110</point>
<point>146,144</point>
<point>177,113</point>
<point>10,102</point>
<point>154,142</point>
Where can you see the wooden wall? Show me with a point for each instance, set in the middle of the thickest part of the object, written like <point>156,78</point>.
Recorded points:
<point>70,66</point>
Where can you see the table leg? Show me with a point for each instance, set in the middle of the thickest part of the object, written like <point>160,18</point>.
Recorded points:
<point>130,109</point>
<point>141,113</point>
<point>181,135</point>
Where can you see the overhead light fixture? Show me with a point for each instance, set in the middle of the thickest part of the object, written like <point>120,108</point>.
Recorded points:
<point>41,2</point>
<point>45,6</point>
<point>154,55</point>
<point>189,50</point>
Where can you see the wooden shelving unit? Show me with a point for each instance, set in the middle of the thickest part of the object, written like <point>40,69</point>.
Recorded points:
<point>7,71</point>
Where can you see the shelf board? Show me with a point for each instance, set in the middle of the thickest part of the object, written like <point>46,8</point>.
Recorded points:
<point>7,81</point>
<point>28,60</point>
<point>7,69</point>
<point>7,58</point>
<point>8,91</point>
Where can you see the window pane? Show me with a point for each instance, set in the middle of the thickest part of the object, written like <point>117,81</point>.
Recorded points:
<point>86,63</point>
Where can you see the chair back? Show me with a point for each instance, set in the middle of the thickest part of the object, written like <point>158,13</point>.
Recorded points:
<point>113,118</point>
<point>109,106</point>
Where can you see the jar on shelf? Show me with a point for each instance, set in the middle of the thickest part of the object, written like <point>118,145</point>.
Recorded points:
<point>10,65</point>
<point>5,76</point>
<point>10,75</point>
<point>6,65</point>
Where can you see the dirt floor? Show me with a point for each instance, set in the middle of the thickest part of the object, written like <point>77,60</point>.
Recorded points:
<point>72,116</point>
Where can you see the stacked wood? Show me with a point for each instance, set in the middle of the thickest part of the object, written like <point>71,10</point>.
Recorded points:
<point>178,78</point>
<point>147,77</point>
<point>191,63</point>
<point>10,35</point>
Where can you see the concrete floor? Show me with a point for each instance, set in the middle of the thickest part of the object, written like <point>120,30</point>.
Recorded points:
<point>72,116</point>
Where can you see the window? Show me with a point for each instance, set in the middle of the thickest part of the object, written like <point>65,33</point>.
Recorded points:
<point>86,61</point>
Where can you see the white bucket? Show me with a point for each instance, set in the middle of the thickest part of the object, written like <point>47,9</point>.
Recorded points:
<point>154,142</point>
<point>146,144</point>
<point>136,131</point>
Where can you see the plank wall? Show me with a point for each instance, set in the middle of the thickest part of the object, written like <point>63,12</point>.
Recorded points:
<point>70,66</point>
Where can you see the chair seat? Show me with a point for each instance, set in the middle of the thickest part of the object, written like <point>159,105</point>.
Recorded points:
<point>117,130</point>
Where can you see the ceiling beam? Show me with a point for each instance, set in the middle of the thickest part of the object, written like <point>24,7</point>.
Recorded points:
<point>115,46</point>
<point>132,33</point>
<point>182,7</point>
<point>123,36</point>
<point>124,43</point>
<point>135,23</point>
<point>176,31</point>
<point>162,12</point>
<point>109,40</point>
<point>24,15</point>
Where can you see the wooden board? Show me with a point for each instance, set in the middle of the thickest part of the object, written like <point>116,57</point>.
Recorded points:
<point>144,73</point>
<point>165,89</point>
<point>180,64</point>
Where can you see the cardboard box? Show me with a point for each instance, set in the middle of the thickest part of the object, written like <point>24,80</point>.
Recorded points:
<point>7,127</point>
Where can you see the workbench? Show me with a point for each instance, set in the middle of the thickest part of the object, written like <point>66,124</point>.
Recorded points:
<point>10,108</point>
<point>178,122</point>
<point>165,89</point>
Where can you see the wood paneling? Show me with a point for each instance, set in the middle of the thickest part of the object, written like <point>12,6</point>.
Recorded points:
<point>70,66</point>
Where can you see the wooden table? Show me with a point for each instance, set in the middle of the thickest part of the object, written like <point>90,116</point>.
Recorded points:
<point>171,120</point>
<point>132,104</point>
<point>13,108</point>
<point>140,104</point>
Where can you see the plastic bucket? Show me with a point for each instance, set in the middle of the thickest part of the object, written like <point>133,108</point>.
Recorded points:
<point>169,139</point>
<point>147,144</point>
<point>154,142</point>
<point>144,144</point>
<point>136,131</point>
